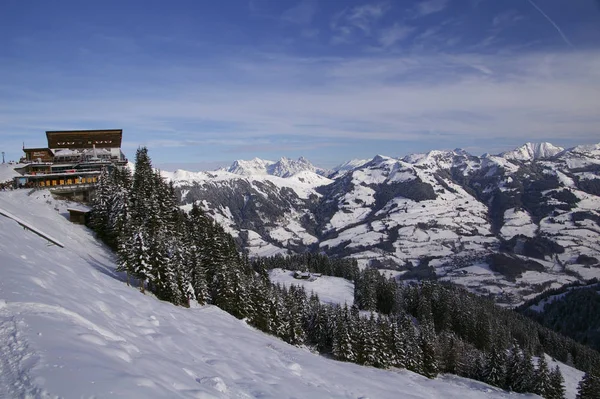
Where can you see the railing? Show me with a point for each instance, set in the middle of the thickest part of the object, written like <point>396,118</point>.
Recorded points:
<point>72,187</point>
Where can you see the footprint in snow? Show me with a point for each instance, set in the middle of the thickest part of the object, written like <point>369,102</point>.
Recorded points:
<point>214,382</point>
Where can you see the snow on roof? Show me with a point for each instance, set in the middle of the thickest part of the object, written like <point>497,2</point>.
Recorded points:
<point>65,152</point>
<point>79,208</point>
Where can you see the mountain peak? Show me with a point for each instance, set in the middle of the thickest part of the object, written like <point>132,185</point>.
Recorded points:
<point>284,167</point>
<point>441,158</point>
<point>252,167</point>
<point>532,151</point>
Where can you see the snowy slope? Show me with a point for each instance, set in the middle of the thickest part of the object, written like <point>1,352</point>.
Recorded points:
<point>329,289</point>
<point>531,151</point>
<point>285,167</point>
<point>342,168</point>
<point>303,182</point>
<point>252,167</point>
<point>7,171</point>
<point>69,327</point>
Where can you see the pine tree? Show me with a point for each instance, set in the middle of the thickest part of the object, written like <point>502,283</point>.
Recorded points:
<point>542,377</point>
<point>589,386</point>
<point>368,344</point>
<point>343,347</point>
<point>397,345</point>
<point>385,355</point>
<point>557,388</point>
<point>412,348</point>
<point>494,372</point>
<point>427,342</point>
<point>294,303</point>
<point>450,353</point>
<point>260,295</point>
<point>526,380</point>
<point>514,365</point>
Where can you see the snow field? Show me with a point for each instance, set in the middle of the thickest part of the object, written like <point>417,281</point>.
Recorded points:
<point>333,290</point>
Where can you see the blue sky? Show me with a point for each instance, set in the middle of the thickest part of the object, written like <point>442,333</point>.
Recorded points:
<point>202,83</point>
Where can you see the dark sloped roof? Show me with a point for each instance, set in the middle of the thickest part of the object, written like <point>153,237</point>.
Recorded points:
<point>108,138</point>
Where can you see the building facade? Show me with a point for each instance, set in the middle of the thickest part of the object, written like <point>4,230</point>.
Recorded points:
<point>72,162</point>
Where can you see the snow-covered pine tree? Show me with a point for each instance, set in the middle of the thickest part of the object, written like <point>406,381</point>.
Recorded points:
<point>412,348</point>
<point>293,302</point>
<point>526,379</point>
<point>385,355</point>
<point>494,371</point>
<point>369,347</point>
<point>542,377</point>
<point>278,313</point>
<point>100,205</point>
<point>450,348</point>
<point>589,386</point>
<point>260,295</point>
<point>343,347</point>
<point>514,364</point>
<point>135,256</point>
<point>428,343</point>
<point>398,344</point>
<point>557,385</point>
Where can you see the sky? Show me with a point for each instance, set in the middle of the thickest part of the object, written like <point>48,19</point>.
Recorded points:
<point>202,83</point>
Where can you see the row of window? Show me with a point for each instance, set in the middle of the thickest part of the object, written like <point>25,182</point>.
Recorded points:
<point>81,142</point>
<point>62,182</point>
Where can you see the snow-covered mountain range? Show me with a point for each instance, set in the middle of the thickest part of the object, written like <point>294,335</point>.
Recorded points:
<point>285,167</point>
<point>531,151</point>
<point>511,224</point>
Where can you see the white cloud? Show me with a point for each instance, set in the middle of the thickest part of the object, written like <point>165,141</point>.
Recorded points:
<point>396,33</point>
<point>506,18</point>
<point>301,14</point>
<point>427,7</point>
<point>359,18</point>
<point>523,97</point>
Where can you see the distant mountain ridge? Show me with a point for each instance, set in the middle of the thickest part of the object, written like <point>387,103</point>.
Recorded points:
<point>510,225</point>
<point>533,151</point>
<point>285,167</point>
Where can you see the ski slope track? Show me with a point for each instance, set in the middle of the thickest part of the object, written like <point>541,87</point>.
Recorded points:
<point>71,328</point>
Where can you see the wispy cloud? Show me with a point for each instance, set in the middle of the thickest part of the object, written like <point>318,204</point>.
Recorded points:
<point>301,14</point>
<point>558,29</point>
<point>361,18</point>
<point>541,95</point>
<point>426,7</point>
<point>395,33</point>
<point>506,18</point>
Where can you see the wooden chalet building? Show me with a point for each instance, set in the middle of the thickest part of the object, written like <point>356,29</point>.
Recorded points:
<point>72,162</point>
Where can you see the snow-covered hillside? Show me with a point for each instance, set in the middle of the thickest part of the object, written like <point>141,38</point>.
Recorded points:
<point>70,327</point>
<point>432,215</point>
<point>285,167</point>
<point>7,171</point>
<point>329,289</point>
<point>531,151</point>
<point>276,205</point>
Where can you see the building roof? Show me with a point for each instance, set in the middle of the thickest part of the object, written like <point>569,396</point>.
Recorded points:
<point>108,138</point>
<point>79,209</point>
<point>37,149</point>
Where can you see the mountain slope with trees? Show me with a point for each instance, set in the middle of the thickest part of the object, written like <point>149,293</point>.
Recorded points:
<point>427,328</point>
<point>509,225</point>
